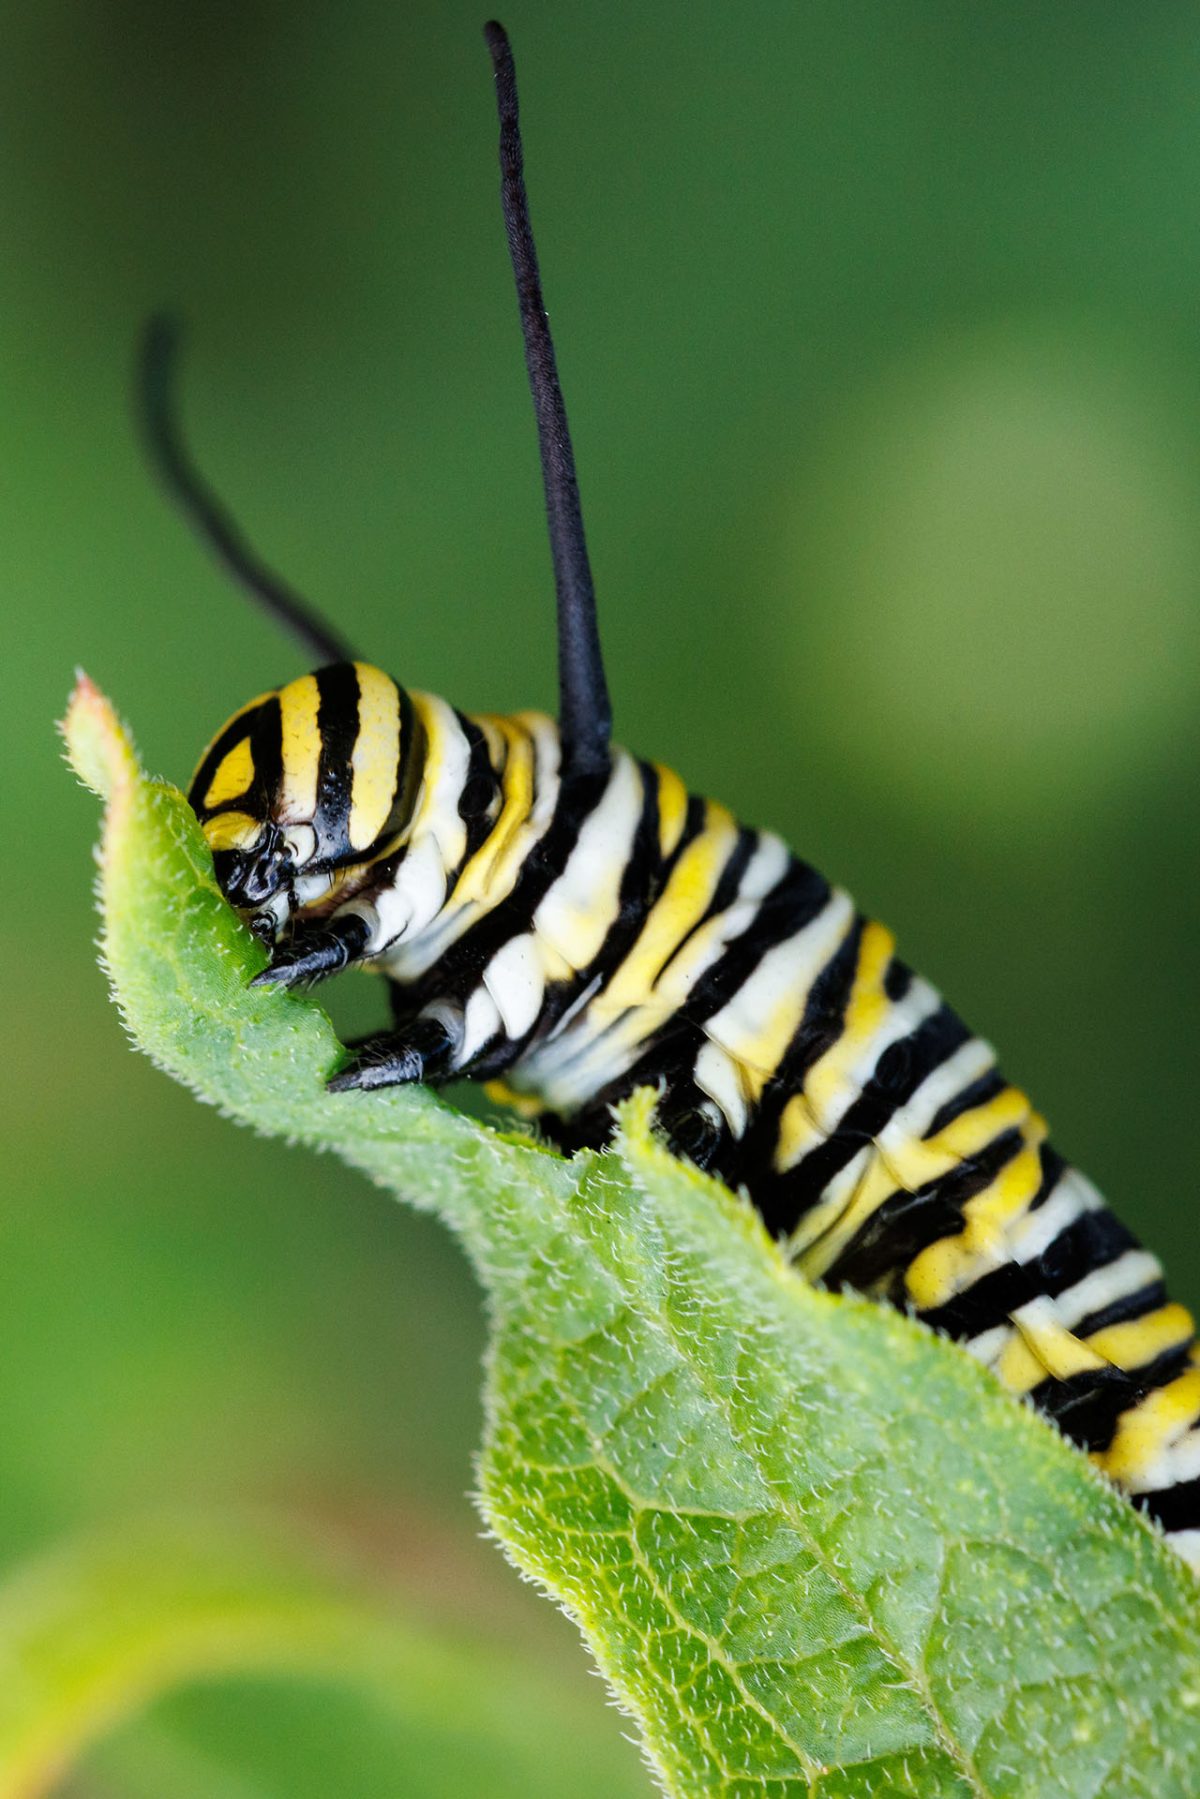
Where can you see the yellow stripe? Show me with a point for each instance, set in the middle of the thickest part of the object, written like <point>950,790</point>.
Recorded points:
<point>801,1123</point>
<point>898,1167</point>
<point>431,711</point>
<point>299,749</point>
<point>946,1267</point>
<point>375,760</point>
<point>1140,1340</point>
<point>679,907</point>
<point>866,1009</point>
<point>1150,1427</point>
<point>492,871</point>
<point>250,706</point>
<point>920,1160</point>
<point>798,1132</point>
<point>1041,1349</point>
<point>810,1246</point>
<point>672,808</point>
<point>698,954</point>
<point>576,914</point>
<point>232,831</point>
<point>235,772</point>
<point>760,1021</point>
<point>817,1245</point>
<point>525,1105</point>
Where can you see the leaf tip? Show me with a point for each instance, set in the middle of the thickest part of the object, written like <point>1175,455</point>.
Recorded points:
<point>635,1116</point>
<point>99,747</point>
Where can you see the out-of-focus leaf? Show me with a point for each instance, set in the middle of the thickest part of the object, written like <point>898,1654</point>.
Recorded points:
<point>815,1550</point>
<point>95,1631</point>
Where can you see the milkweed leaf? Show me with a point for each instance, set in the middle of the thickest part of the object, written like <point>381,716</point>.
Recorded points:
<point>815,1550</point>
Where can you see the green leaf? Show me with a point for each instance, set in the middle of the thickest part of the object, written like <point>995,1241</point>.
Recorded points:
<point>815,1550</point>
<point>94,1632</point>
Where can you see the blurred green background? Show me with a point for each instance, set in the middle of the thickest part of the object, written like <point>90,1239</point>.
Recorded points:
<point>880,329</point>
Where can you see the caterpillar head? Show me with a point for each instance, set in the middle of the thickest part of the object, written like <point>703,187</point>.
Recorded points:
<point>306,788</point>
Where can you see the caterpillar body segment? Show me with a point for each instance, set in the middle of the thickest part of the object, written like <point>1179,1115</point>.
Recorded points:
<point>560,918</point>
<point>575,936</point>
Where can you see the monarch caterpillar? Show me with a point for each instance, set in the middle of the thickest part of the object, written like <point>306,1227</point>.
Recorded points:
<point>568,922</point>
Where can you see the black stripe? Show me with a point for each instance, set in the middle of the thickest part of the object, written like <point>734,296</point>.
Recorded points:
<point>642,880</point>
<point>987,1087</point>
<point>794,901</point>
<point>725,891</point>
<point>266,745</point>
<point>410,766</point>
<point>1086,1406</point>
<point>781,1198</point>
<point>886,1243</point>
<point>1054,1167</point>
<point>480,792</point>
<point>1137,1303</point>
<point>824,1017</point>
<point>259,724</point>
<point>337,722</point>
<point>897,980</point>
<point>901,1069</point>
<point>1091,1241</point>
<point>1174,1508</point>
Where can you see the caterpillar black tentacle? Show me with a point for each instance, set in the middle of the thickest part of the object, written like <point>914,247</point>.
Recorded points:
<point>566,920</point>
<point>211,519</point>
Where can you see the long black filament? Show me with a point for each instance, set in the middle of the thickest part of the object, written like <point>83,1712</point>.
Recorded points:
<point>207,514</point>
<point>585,714</point>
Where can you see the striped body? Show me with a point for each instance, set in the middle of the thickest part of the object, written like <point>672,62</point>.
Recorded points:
<point>577,938</point>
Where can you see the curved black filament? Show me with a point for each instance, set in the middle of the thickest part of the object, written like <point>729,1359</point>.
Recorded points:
<point>215,525</point>
<point>585,714</point>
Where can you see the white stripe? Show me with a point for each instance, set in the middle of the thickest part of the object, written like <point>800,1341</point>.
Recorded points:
<point>716,1074</point>
<point>438,807</point>
<point>481,1021</point>
<point>1187,1544</point>
<point>789,967</point>
<point>989,1345</point>
<point>1175,1462</point>
<point>766,867</point>
<point>1135,1269</point>
<point>426,938</point>
<point>578,910</point>
<point>1034,1231</point>
<point>920,1002</point>
<point>1027,1239</point>
<point>835,1197</point>
<point>708,943</point>
<point>514,979</point>
<point>590,1047</point>
<point>913,1119</point>
<point>413,900</point>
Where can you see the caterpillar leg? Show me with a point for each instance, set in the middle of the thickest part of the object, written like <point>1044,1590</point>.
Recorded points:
<point>421,1050</point>
<point>314,951</point>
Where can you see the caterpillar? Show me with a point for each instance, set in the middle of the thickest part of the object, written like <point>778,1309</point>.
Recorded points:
<point>565,921</point>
